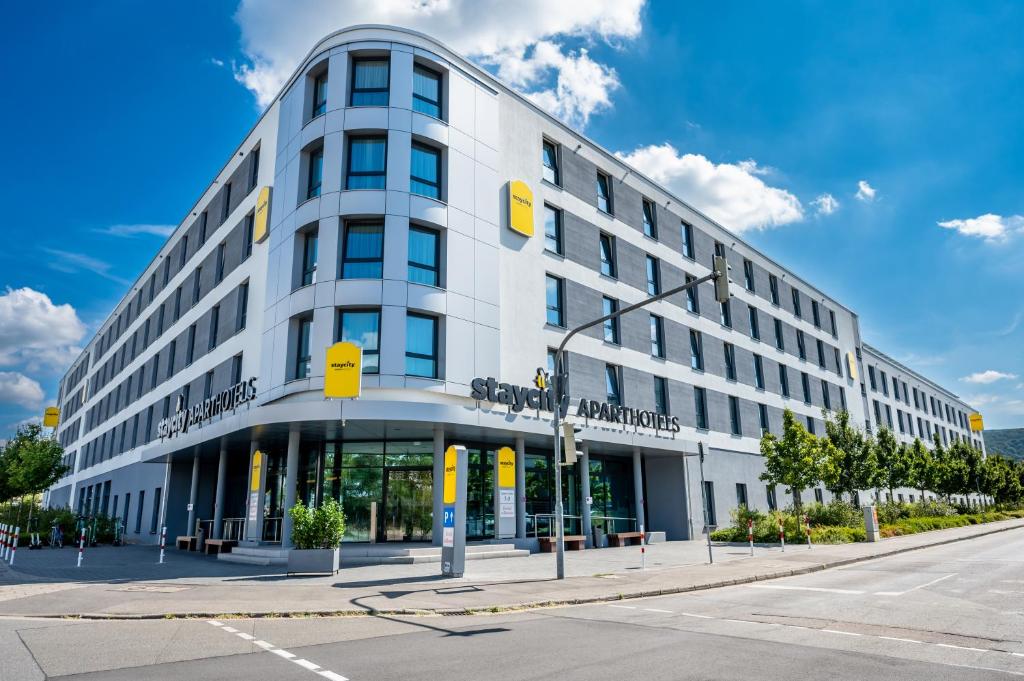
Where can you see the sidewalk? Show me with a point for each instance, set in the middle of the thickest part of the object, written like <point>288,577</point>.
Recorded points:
<point>127,583</point>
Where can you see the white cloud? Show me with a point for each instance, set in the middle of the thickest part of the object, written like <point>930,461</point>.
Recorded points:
<point>825,204</point>
<point>865,192</point>
<point>35,334</point>
<point>71,262</point>
<point>135,230</point>
<point>731,193</point>
<point>19,389</point>
<point>523,41</point>
<point>988,376</point>
<point>992,228</point>
<point>216,62</point>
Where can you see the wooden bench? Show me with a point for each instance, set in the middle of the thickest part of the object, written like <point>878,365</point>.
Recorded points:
<point>573,542</point>
<point>186,543</point>
<point>625,538</point>
<point>215,546</point>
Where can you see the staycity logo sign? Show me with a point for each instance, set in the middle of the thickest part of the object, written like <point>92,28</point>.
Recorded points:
<point>185,417</point>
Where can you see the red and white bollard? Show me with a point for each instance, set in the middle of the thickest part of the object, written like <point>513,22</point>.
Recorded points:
<point>643,549</point>
<point>81,547</point>
<point>750,535</point>
<point>14,546</point>
<point>807,523</point>
<point>3,541</point>
<point>163,541</point>
<point>782,536</point>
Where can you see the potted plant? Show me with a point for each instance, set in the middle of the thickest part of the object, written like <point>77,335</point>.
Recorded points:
<point>316,533</point>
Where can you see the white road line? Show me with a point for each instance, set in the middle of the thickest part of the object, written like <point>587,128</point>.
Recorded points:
<point>725,619</point>
<point>283,653</point>
<point>787,587</point>
<point>701,617</point>
<point>844,633</point>
<point>950,645</point>
<point>1017,654</point>
<point>306,664</point>
<point>328,674</point>
<point>902,640</point>
<point>658,610</point>
<point>215,623</point>
<point>623,607</point>
<point>302,662</point>
<point>247,637</point>
<point>231,630</point>
<point>919,586</point>
<point>263,644</point>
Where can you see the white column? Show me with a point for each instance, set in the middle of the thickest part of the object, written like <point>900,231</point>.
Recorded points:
<point>254,497</point>
<point>218,497</point>
<point>638,490</point>
<point>290,486</point>
<point>585,492</point>
<point>438,485</point>
<point>520,487</point>
<point>193,492</point>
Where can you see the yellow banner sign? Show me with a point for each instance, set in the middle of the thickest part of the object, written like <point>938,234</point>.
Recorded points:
<point>257,466</point>
<point>506,467</point>
<point>977,423</point>
<point>851,365</point>
<point>259,228</point>
<point>520,207</point>
<point>450,475</point>
<point>51,417</point>
<point>343,373</point>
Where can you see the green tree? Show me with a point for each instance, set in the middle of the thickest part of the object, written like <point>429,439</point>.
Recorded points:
<point>797,460</point>
<point>951,472</point>
<point>920,467</point>
<point>892,461</point>
<point>33,461</point>
<point>852,457</point>
<point>1001,480</point>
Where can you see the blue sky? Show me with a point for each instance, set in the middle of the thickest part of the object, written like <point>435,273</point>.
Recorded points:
<point>119,113</point>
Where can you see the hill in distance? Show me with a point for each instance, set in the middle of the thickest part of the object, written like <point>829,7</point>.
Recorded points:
<point>1006,441</point>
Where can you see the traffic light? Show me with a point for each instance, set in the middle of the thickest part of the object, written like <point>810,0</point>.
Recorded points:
<point>569,442</point>
<point>721,279</point>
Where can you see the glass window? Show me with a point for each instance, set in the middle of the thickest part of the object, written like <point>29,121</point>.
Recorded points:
<point>734,415</point>
<point>755,325</point>
<point>748,275</point>
<point>370,82</point>
<point>780,341</point>
<point>805,383</point>
<point>762,412</point>
<point>783,380</point>
<point>552,229</point>
<point>800,344</point>
<point>367,162</point>
<point>243,306</point>
<point>362,327</point>
<point>796,303</point>
<point>604,193</point>
<point>316,172</point>
<point>549,158</point>
<point>816,313</point>
<point>729,350</point>
<point>726,314</point>
<point>758,372</point>
<point>222,250</point>
<point>309,249</point>
<point>424,256</point>
<point>611,378</point>
<point>700,408</point>
<point>426,91</point>
<point>363,251</point>
<point>214,323</point>
<point>319,95</point>
<point>653,276</point>
<point>302,356</point>
<point>660,395</point>
<point>607,245</point>
<point>190,347</point>
<point>773,286</point>
<point>696,351</point>
<point>687,234</point>
<point>650,223</point>
<point>825,396</point>
<point>821,353</point>
<point>553,294</point>
<point>657,336</point>
<point>611,326</point>
<point>425,175</point>
<point>692,298</point>
<point>810,425</point>
<point>832,319</point>
<point>421,346</point>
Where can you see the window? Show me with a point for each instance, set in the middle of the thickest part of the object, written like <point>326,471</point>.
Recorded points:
<point>696,351</point>
<point>190,345</point>
<point>221,255</point>
<point>748,275</point>
<point>225,208</point>
<point>741,495</point>
<point>839,362</point>
<point>362,327</point>
<point>734,415</point>
<point>302,356</point>
<point>650,221</point>
<point>819,495</point>
<point>660,395</point>
<point>367,162</point>
<point>826,398</point>
<point>821,353</point>
<point>773,287</point>
<point>426,91</point>
<point>421,346</point>
<point>177,304</point>
<point>315,173</point>
<point>815,314</point>
<point>250,228</point>
<point>730,361</point>
<point>613,384</point>
<point>871,378</point>
<point>801,346</point>
<point>202,227</point>
<point>758,372</point>
<point>796,303</point>
<point>899,420</point>
<point>805,383</point>
<point>214,323</point>
<point>154,518</point>
<point>607,245</point>
<point>783,380</point>
<point>885,388</point>
<point>554,295</point>
<point>657,336</point>
<point>552,229</point>
<point>653,276</point>
<point>773,503</point>
<point>425,173</point>
<point>254,168</point>
<point>755,325</point>
<point>611,326</point>
<point>888,417</point>
<point>424,256</point>
<point>167,275</point>
<point>725,316</point>
<point>138,512</point>
<point>700,405</point>
<point>604,193</point>
<point>687,236</point>
<point>370,79</point>
<point>549,158</point>
<point>208,385</point>
<point>319,104</point>
<point>309,251</point>
<point>184,252</point>
<point>832,319</point>
<point>362,254</point>
<point>692,298</point>
<point>762,412</point>
<point>810,425</point>
<point>709,504</point>
<point>197,286</point>
<point>243,306</point>
<point>236,369</point>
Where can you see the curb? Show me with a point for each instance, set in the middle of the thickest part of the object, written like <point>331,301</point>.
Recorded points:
<point>513,607</point>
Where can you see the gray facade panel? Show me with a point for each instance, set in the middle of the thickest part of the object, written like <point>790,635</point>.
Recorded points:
<point>580,241</point>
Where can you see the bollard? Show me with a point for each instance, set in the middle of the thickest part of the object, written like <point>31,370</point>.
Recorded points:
<point>782,536</point>
<point>81,547</point>
<point>750,535</point>
<point>163,540</point>
<point>807,523</point>
<point>14,547</point>
<point>3,541</point>
<point>643,549</point>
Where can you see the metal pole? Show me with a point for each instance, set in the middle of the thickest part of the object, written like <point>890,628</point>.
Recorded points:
<point>559,522</point>
<point>704,500</point>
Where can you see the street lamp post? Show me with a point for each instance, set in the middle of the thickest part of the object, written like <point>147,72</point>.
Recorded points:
<point>703,497</point>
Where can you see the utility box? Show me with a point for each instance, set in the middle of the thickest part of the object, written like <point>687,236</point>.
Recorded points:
<point>871,523</point>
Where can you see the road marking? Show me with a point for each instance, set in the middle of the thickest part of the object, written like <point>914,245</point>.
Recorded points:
<point>280,652</point>
<point>658,610</point>
<point>247,637</point>
<point>306,664</point>
<point>902,640</point>
<point>215,623</point>
<point>231,630</point>
<point>623,607</point>
<point>788,587</point>
<point>263,644</point>
<point>844,633</point>
<point>283,653</point>
<point>919,586</point>
<point>328,674</point>
<point>702,617</point>
<point>950,645</point>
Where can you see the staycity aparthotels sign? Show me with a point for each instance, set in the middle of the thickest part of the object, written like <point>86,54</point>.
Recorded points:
<point>519,398</point>
<point>185,417</point>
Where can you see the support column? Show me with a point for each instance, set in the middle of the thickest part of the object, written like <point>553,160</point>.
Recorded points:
<point>638,490</point>
<point>438,486</point>
<point>520,487</point>
<point>291,484</point>
<point>193,493</point>
<point>585,493</point>
<point>254,502</point>
<point>218,497</point>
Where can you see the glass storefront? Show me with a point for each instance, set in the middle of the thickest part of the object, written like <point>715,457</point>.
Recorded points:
<point>611,489</point>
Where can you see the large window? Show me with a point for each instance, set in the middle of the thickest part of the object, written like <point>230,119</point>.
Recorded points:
<point>552,229</point>
<point>554,295</point>
<point>725,315</point>
<point>367,162</point>
<point>362,255</point>
<point>607,245</point>
<point>316,173</point>
<point>735,426</point>
<point>805,384</point>
<point>549,157</point>
<point>424,256</point>
<point>729,351</point>
<point>796,303</point>
<point>700,406</point>
<point>692,297</point>
<point>653,276</point>
<point>762,412</point>
<point>801,346</point>
<point>604,193</point>
<point>755,326</point>
<point>686,230</point>
<point>611,326</point>
<point>362,327</point>
<point>780,340</point>
<point>758,372</point>
<point>613,384</point>
<point>650,219</point>
<point>748,275</point>
<point>370,82</point>
<point>425,174</point>
<point>657,336</point>
<point>816,314</point>
<point>426,91</point>
<point>660,395</point>
<point>319,95</point>
<point>309,250</point>
<point>773,288</point>
<point>696,351</point>
<point>421,346</point>
<point>302,356</point>
<point>783,380</point>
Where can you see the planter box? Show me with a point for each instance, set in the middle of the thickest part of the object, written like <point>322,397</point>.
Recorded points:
<point>305,561</point>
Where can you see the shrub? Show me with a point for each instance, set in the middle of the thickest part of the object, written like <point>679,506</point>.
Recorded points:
<point>317,528</point>
<point>836,513</point>
<point>837,535</point>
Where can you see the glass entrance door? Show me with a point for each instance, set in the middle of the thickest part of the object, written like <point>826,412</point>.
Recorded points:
<point>408,505</point>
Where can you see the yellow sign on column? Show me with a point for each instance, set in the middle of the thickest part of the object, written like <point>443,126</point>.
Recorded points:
<point>977,423</point>
<point>506,467</point>
<point>262,217</point>
<point>51,417</point>
<point>520,207</point>
<point>257,466</point>
<point>343,373</point>
<point>450,475</point>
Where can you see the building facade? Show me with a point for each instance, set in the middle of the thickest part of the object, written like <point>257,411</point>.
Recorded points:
<point>371,203</point>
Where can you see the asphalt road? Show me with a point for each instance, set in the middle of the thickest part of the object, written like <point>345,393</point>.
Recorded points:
<point>949,612</point>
